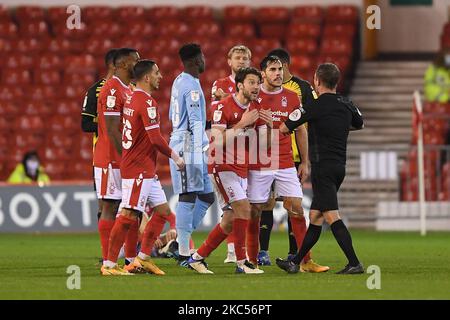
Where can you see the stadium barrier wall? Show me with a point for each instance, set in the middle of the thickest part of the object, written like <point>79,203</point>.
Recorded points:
<point>69,208</point>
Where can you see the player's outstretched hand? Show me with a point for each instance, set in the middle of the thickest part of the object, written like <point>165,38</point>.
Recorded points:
<point>220,94</point>
<point>249,117</point>
<point>266,116</point>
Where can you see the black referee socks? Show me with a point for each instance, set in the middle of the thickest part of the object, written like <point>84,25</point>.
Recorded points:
<point>344,239</point>
<point>311,237</point>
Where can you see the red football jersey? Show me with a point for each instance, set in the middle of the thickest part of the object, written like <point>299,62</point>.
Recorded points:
<point>111,100</point>
<point>282,103</point>
<point>226,114</point>
<point>227,84</point>
<point>140,119</point>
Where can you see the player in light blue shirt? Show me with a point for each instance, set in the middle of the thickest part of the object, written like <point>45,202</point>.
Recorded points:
<point>188,115</point>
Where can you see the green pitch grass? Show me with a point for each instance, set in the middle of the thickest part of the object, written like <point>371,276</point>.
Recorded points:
<point>412,267</point>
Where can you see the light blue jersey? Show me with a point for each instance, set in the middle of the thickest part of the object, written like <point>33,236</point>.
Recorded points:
<point>188,116</point>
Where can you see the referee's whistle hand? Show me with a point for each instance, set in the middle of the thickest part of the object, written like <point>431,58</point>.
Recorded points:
<point>303,172</point>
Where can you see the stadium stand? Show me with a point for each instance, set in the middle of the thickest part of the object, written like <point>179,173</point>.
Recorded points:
<point>52,66</point>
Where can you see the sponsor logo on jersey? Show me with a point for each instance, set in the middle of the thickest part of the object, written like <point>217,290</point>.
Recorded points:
<point>295,115</point>
<point>195,95</point>
<point>151,112</point>
<point>110,102</point>
<point>217,115</point>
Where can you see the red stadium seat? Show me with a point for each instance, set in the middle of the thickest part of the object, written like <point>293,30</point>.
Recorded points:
<point>302,46</point>
<point>337,46</point>
<point>56,170</point>
<point>4,13</point>
<point>272,30</point>
<point>80,63</point>
<point>173,28</point>
<point>82,171</point>
<point>302,63</point>
<point>56,15</point>
<point>85,154</point>
<point>27,13</point>
<point>20,61</point>
<point>64,124</point>
<point>127,14</point>
<point>37,108</point>
<point>165,46</point>
<point>340,30</point>
<point>5,125</point>
<point>92,13</point>
<point>205,29</point>
<point>238,14</point>
<point>75,91</point>
<point>8,29</point>
<point>162,13</point>
<point>197,13</point>
<point>308,13</point>
<point>31,45</point>
<point>139,43</point>
<point>60,46</point>
<point>272,15</point>
<point>10,109</point>
<point>30,124</point>
<point>34,29</point>
<point>84,79</point>
<point>141,29</point>
<point>41,92</point>
<point>240,30</point>
<point>342,13</point>
<point>49,61</point>
<point>106,29</point>
<point>11,93</point>
<point>262,46</point>
<point>66,107</point>
<point>7,45</point>
<point>47,77</point>
<point>26,140</point>
<point>60,30</point>
<point>61,141</point>
<point>16,77</point>
<point>342,61</point>
<point>304,30</point>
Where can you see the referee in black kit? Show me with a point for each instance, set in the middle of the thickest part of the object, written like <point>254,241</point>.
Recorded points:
<point>330,118</point>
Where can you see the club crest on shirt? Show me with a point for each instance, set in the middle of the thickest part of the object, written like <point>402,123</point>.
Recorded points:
<point>284,102</point>
<point>231,192</point>
<point>151,112</point>
<point>195,95</point>
<point>110,102</point>
<point>217,115</point>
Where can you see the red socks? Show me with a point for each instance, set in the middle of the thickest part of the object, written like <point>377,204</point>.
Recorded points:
<point>117,237</point>
<point>152,231</point>
<point>253,240</point>
<point>215,238</point>
<point>299,228</point>
<point>104,229</point>
<point>230,238</point>
<point>131,240</point>
<point>240,231</point>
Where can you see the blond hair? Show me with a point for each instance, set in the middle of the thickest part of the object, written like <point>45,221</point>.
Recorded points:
<point>240,48</point>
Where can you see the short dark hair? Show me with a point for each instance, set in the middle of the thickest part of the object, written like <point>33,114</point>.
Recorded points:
<point>268,60</point>
<point>189,51</point>
<point>109,56</point>
<point>242,74</point>
<point>328,74</point>
<point>282,54</point>
<point>142,67</point>
<point>121,53</point>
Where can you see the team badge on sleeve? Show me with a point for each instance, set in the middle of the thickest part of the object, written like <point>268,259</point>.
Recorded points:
<point>217,115</point>
<point>151,112</point>
<point>195,95</point>
<point>295,115</point>
<point>110,102</point>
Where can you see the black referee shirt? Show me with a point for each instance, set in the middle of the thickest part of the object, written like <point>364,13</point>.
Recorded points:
<point>330,118</point>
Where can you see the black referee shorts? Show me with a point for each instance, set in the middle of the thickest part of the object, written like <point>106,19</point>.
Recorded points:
<point>326,179</point>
